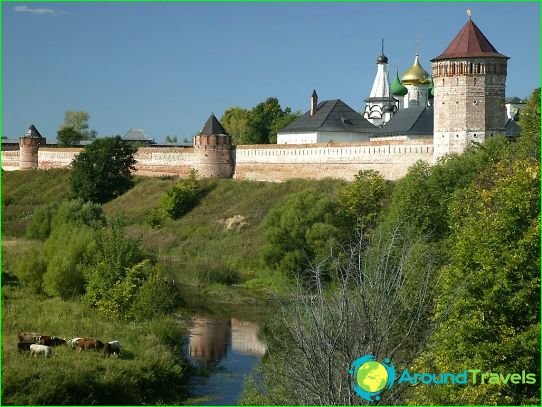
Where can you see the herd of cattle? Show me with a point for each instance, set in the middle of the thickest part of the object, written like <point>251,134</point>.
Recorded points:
<point>43,344</point>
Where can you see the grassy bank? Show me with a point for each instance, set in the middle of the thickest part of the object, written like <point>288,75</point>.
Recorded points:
<point>151,369</point>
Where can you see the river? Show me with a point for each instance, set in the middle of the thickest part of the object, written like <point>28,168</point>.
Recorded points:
<point>223,349</point>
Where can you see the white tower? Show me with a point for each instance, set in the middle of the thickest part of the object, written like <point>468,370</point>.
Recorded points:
<point>378,110</point>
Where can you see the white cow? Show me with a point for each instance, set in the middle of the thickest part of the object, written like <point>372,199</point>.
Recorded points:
<point>40,350</point>
<point>73,342</point>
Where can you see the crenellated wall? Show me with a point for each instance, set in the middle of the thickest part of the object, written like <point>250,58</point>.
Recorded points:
<point>269,162</point>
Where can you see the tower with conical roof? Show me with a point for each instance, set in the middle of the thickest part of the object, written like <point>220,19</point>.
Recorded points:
<point>417,81</point>
<point>469,82</point>
<point>29,145</point>
<point>377,109</point>
<point>212,150</point>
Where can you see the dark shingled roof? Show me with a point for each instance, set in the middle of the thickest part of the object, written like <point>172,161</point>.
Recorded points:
<point>212,126</point>
<point>413,121</point>
<point>33,132</point>
<point>468,43</point>
<point>136,135</point>
<point>331,115</point>
<point>512,129</point>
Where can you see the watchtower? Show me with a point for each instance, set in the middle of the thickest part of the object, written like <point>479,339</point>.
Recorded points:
<point>29,145</point>
<point>469,82</point>
<point>212,150</point>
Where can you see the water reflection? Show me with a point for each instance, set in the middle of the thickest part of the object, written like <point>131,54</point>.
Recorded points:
<point>225,350</point>
<point>209,340</point>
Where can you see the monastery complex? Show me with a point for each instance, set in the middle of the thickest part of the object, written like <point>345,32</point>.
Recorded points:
<point>417,116</point>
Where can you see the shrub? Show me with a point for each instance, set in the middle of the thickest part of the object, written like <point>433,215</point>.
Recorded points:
<point>217,274</point>
<point>155,218</point>
<point>69,252</point>
<point>77,212</point>
<point>40,225</point>
<point>155,297</point>
<point>181,198</point>
<point>29,269</point>
<point>169,331</point>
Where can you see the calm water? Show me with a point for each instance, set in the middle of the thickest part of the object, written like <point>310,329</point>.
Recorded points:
<point>224,350</point>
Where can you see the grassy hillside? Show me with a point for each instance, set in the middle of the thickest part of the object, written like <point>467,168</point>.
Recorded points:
<point>217,242</point>
<point>23,191</point>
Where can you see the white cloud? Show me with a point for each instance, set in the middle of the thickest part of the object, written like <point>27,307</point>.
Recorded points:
<point>39,11</point>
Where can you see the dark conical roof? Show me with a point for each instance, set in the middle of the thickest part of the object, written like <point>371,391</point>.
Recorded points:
<point>212,126</point>
<point>470,42</point>
<point>33,132</point>
<point>314,95</point>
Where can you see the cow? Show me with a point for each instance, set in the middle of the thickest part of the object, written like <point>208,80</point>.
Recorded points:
<point>27,337</point>
<point>112,347</point>
<point>22,346</point>
<point>50,340</point>
<point>87,343</point>
<point>73,342</point>
<point>36,350</point>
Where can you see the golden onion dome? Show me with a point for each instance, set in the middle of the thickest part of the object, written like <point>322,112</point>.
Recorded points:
<point>416,75</point>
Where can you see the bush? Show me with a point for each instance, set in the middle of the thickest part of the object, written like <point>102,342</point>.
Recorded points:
<point>155,297</point>
<point>181,198</point>
<point>218,274</point>
<point>77,212</point>
<point>29,269</point>
<point>69,253</point>
<point>169,331</point>
<point>40,225</point>
<point>155,218</point>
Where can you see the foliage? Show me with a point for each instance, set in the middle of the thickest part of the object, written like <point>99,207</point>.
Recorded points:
<point>364,199</point>
<point>102,171</point>
<point>217,273</point>
<point>69,253</point>
<point>491,286</point>
<point>172,139</point>
<point>235,121</point>
<point>74,129</point>
<point>181,198</point>
<point>29,269</point>
<point>40,225</point>
<point>299,230</point>
<point>156,296</point>
<point>78,213</point>
<point>155,218</point>
<point>265,120</point>
<point>529,121</point>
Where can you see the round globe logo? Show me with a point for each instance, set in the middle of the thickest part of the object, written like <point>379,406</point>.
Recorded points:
<point>371,377</point>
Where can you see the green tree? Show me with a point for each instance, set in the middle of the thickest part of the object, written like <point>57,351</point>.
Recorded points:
<point>299,230</point>
<point>75,128</point>
<point>235,121</point>
<point>172,139</point>
<point>40,224</point>
<point>265,120</point>
<point>529,142</point>
<point>102,171</point>
<point>363,200</point>
<point>157,296</point>
<point>489,302</point>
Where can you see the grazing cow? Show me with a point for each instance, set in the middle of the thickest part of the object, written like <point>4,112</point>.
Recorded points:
<point>73,342</point>
<point>22,346</point>
<point>27,337</point>
<point>50,340</point>
<point>36,350</point>
<point>87,343</point>
<point>112,347</point>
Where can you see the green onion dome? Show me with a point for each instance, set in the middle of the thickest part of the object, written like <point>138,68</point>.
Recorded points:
<point>431,90</point>
<point>397,87</point>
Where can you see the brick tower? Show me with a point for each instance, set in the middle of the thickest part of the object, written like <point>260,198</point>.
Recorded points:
<point>29,145</point>
<point>469,80</point>
<point>212,148</point>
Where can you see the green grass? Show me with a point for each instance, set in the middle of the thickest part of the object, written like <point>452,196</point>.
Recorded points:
<point>24,191</point>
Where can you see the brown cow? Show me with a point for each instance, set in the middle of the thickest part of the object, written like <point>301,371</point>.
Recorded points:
<point>50,340</point>
<point>27,337</point>
<point>87,343</point>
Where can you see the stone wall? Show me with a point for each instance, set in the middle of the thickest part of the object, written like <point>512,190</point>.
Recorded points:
<point>10,160</point>
<point>279,163</point>
<point>266,162</point>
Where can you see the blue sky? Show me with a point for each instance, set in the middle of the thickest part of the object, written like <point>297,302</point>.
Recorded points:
<point>165,67</point>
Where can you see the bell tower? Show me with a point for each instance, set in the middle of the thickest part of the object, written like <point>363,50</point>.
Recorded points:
<point>469,88</point>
